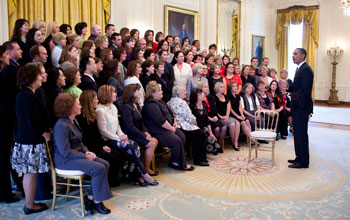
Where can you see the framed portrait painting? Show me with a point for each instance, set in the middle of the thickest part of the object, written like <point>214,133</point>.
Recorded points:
<point>258,47</point>
<point>180,22</point>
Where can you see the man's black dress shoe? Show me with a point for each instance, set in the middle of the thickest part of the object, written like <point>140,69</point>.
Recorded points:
<point>203,164</point>
<point>28,211</point>
<point>298,166</point>
<point>101,208</point>
<point>291,161</point>
<point>89,205</point>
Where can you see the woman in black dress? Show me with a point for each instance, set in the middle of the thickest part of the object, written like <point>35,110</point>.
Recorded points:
<point>134,127</point>
<point>223,107</point>
<point>216,125</point>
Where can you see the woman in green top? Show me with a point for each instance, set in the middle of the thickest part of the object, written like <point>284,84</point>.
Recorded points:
<point>73,79</point>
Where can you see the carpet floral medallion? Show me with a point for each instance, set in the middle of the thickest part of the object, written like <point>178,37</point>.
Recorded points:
<point>231,188</point>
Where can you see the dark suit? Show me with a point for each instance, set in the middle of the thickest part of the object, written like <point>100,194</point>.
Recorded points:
<point>88,84</point>
<point>8,91</point>
<point>302,106</point>
<point>69,154</point>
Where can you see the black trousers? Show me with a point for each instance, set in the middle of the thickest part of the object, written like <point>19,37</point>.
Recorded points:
<point>176,142</point>
<point>283,123</point>
<point>301,139</point>
<point>198,140</point>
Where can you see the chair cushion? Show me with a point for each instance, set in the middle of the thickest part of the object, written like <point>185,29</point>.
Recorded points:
<point>69,172</point>
<point>263,134</point>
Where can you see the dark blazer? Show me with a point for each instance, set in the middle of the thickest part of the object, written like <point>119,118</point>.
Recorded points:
<point>155,114</point>
<point>302,88</point>
<point>168,74</point>
<point>133,124</point>
<point>88,84</point>
<point>92,37</point>
<point>144,79</point>
<point>8,89</point>
<point>166,89</point>
<point>29,114</point>
<point>67,139</point>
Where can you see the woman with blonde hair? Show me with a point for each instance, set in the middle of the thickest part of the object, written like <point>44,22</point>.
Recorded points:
<point>217,126</point>
<point>108,124</point>
<point>101,42</point>
<point>41,25</point>
<point>223,106</point>
<point>60,41</point>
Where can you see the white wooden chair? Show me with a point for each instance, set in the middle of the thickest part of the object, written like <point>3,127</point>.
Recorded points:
<point>266,122</point>
<point>69,175</point>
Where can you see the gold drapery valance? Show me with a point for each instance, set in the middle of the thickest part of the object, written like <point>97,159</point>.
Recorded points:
<point>62,11</point>
<point>296,15</point>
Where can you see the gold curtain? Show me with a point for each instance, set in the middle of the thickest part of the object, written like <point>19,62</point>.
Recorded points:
<point>296,15</point>
<point>62,11</point>
<point>282,40</point>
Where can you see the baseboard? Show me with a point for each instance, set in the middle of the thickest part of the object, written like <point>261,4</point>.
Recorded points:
<point>324,103</point>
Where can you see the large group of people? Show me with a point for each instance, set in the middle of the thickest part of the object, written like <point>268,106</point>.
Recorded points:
<point>109,102</point>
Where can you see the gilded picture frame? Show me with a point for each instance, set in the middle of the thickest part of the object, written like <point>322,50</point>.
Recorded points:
<point>258,47</point>
<point>180,22</point>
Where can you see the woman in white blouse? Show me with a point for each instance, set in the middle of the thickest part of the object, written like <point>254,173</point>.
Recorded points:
<point>133,76</point>
<point>108,124</point>
<point>187,122</point>
<point>182,70</point>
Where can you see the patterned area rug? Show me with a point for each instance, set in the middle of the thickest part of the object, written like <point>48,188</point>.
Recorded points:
<point>233,189</point>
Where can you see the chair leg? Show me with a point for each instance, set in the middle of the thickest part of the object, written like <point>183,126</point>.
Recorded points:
<point>273,152</point>
<point>68,188</point>
<point>223,144</point>
<point>54,184</point>
<point>250,149</point>
<point>81,196</point>
<point>154,162</point>
<point>256,148</point>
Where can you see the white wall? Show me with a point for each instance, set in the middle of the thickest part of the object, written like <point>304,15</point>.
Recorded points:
<point>149,14</point>
<point>254,21</point>
<point>260,17</point>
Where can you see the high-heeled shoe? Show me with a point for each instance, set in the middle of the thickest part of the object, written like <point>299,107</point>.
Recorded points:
<point>156,173</point>
<point>154,183</point>
<point>143,184</point>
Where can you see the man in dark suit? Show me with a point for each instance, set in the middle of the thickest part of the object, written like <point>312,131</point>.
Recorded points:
<point>8,92</point>
<point>89,69</point>
<point>301,106</point>
<point>110,30</point>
